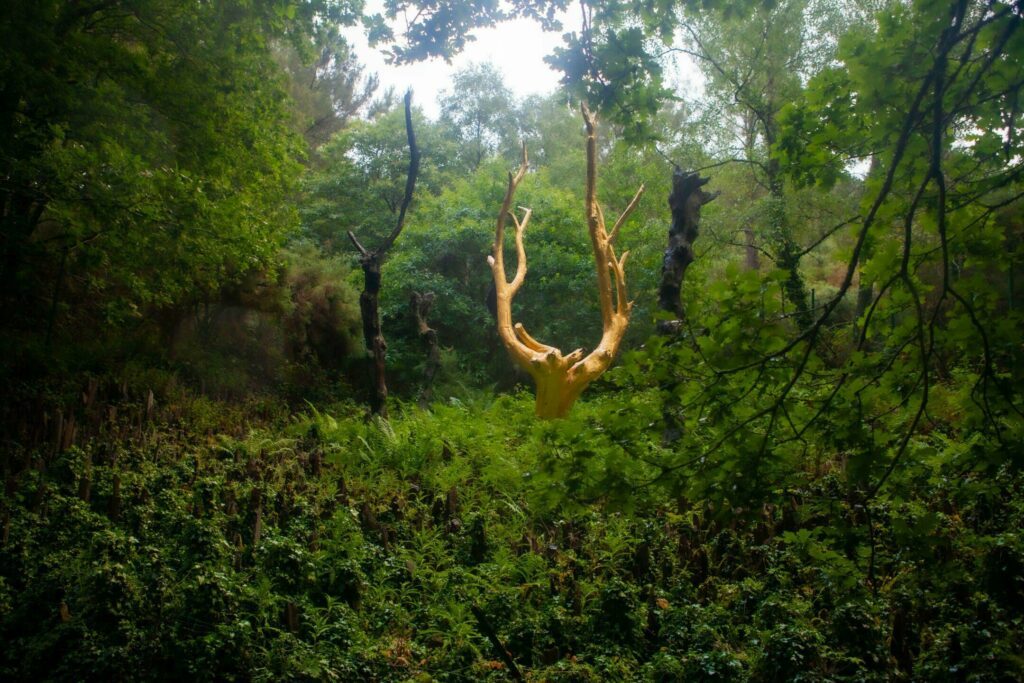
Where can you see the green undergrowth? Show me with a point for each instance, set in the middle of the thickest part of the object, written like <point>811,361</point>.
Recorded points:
<point>335,548</point>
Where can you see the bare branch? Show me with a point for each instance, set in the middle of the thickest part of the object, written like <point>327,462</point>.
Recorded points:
<point>410,179</point>
<point>520,276</point>
<point>519,348</point>
<point>625,214</point>
<point>529,341</point>
<point>825,235</point>
<point>359,247</point>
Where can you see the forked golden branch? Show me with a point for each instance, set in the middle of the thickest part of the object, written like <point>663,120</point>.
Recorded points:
<point>561,379</point>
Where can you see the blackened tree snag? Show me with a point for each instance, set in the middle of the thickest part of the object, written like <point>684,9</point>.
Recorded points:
<point>370,262</point>
<point>420,305</point>
<point>685,201</point>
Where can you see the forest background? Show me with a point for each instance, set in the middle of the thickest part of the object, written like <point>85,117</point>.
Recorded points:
<point>805,467</point>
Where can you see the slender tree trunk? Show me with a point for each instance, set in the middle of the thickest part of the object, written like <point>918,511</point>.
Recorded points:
<point>752,260</point>
<point>865,295</point>
<point>796,290</point>
<point>788,251</point>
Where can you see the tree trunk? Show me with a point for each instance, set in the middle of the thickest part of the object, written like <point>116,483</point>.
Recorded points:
<point>370,262</point>
<point>788,252</point>
<point>420,305</point>
<point>369,307</point>
<point>685,202</point>
<point>752,260</point>
<point>865,295</point>
<point>561,378</point>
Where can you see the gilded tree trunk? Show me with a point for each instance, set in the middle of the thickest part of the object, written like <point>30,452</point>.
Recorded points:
<point>561,379</point>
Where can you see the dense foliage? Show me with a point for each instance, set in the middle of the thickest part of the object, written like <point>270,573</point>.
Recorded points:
<point>145,147</point>
<point>327,548</point>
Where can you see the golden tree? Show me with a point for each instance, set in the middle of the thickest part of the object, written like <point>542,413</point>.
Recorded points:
<point>561,379</point>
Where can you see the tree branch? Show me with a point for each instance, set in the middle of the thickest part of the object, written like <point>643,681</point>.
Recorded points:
<point>410,179</point>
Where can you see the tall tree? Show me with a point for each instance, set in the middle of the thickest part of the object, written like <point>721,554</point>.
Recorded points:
<point>479,109</point>
<point>145,150</point>
<point>329,90</point>
<point>755,64</point>
<point>370,262</point>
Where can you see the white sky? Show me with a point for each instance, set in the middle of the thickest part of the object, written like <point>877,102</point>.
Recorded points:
<point>517,48</point>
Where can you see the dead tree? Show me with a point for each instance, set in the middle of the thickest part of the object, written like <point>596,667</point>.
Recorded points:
<point>420,305</point>
<point>561,379</point>
<point>370,262</point>
<point>685,201</point>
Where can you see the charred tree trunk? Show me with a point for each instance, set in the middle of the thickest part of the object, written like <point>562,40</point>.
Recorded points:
<point>685,201</point>
<point>420,305</point>
<point>370,262</point>
<point>369,308</point>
